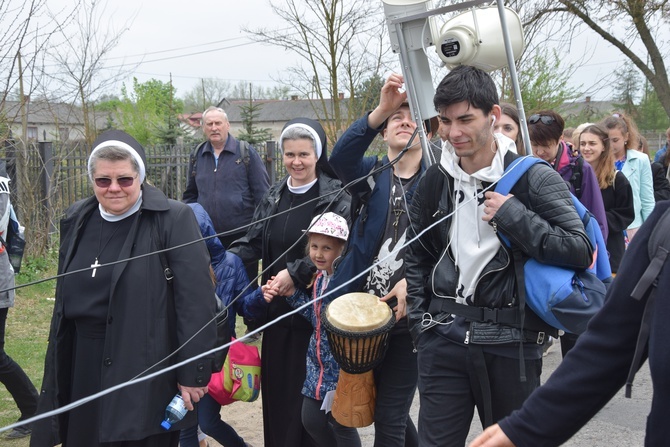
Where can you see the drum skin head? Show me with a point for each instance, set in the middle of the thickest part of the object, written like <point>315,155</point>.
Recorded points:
<point>358,312</point>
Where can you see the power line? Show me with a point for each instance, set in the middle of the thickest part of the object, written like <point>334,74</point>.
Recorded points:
<point>176,49</point>
<point>185,55</point>
<point>204,77</point>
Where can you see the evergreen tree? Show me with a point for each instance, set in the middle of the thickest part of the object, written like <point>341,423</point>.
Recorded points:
<point>250,113</point>
<point>367,93</point>
<point>627,85</point>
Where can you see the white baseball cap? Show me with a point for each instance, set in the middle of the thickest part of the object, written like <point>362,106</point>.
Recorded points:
<point>330,224</point>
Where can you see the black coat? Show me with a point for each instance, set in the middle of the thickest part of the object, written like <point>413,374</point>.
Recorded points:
<point>285,343</point>
<point>144,325</point>
<point>620,211</point>
<point>540,219</point>
<point>598,365</point>
<point>661,184</point>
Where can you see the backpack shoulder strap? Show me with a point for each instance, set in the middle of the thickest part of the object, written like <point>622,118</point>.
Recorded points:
<point>658,248</point>
<point>359,200</point>
<point>244,153</point>
<point>167,271</point>
<point>194,157</point>
<point>514,171</point>
<point>576,178</point>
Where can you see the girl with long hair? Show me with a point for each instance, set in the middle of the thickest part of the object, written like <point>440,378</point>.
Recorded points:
<point>616,190</point>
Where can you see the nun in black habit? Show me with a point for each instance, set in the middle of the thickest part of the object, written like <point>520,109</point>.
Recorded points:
<point>309,189</point>
<point>112,322</point>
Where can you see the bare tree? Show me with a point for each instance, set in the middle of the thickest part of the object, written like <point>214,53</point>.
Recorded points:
<point>207,92</point>
<point>339,42</point>
<point>211,91</point>
<point>17,20</point>
<point>83,72</point>
<point>246,90</point>
<point>625,24</point>
<point>543,80</point>
<point>25,30</point>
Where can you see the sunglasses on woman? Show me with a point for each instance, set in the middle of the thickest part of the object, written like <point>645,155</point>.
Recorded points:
<point>544,118</point>
<point>105,182</point>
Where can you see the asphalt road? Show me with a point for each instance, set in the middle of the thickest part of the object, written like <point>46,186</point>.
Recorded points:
<point>620,424</point>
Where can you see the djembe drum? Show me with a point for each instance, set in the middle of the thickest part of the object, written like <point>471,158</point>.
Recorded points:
<point>358,326</point>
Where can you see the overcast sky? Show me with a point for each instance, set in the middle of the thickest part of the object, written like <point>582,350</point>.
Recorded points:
<point>196,40</point>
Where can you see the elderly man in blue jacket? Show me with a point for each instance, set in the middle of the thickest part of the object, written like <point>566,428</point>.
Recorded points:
<point>227,177</point>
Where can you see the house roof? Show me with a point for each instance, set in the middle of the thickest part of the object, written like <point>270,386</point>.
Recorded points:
<point>282,110</point>
<point>42,113</point>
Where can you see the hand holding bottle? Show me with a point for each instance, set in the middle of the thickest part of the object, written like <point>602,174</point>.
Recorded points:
<point>190,395</point>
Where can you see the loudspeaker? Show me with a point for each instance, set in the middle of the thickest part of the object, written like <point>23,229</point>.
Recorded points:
<point>475,37</point>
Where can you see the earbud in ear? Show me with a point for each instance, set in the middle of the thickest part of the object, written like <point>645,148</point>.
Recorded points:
<point>493,120</point>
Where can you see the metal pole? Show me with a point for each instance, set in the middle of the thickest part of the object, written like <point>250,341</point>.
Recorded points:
<point>515,80</point>
<point>410,87</point>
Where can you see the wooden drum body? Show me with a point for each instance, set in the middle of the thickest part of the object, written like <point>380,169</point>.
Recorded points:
<point>358,327</point>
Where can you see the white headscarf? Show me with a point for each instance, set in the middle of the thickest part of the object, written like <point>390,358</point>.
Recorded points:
<point>315,136</point>
<point>120,145</point>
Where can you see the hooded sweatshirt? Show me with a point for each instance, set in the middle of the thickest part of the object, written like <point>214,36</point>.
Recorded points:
<point>472,241</point>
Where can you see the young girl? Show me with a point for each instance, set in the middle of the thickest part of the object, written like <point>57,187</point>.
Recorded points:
<point>617,194</point>
<point>508,125</point>
<point>327,236</point>
<point>635,166</point>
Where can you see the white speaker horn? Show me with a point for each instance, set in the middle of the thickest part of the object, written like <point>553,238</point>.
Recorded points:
<point>475,37</point>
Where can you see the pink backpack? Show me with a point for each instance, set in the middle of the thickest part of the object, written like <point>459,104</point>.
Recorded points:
<point>240,377</point>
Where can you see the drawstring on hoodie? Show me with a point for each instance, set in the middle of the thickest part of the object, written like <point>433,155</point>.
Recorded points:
<point>476,209</point>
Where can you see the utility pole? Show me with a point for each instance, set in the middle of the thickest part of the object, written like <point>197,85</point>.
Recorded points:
<point>24,107</point>
<point>21,155</point>
<point>204,100</point>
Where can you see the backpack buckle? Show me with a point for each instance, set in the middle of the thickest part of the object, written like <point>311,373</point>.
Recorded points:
<point>540,338</point>
<point>488,315</point>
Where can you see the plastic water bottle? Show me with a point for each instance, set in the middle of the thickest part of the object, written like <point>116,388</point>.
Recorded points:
<point>174,412</point>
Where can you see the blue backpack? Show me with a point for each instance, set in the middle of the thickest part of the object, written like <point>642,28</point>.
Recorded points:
<point>565,299</point>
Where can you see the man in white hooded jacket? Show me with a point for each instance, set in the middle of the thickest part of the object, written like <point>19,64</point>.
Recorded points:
<point>475,346</point>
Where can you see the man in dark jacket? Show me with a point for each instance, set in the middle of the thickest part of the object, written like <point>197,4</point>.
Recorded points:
<point>228,182</point>
<point>463,305</point>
